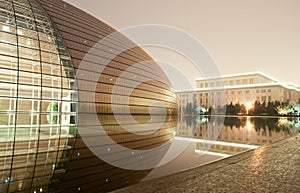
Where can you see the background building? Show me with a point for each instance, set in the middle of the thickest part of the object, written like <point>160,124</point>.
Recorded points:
<point>244,88</point>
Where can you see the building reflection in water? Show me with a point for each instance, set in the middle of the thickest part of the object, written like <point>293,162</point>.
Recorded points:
<point>31,162</point>
<point>212,137</point>
<point>88,172</point>
<point>34,159</point>
<point>236,134</point>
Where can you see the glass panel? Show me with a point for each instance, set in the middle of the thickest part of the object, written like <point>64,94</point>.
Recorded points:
<point>29,65</point>
<point>47,38</point>
<point>8,62</point>
<point>30,78</point>
<point>26,91</point>
<point>7,75</point>
<point>51,58</point>
<point>7,38</point>
<point>51,81</point>
<point>28,33</point>
<point>48,47</point>
<point>51,93</point>
<point>51,69</point>
<point>8,49</point>
<point>29,53</point>
<point>27,42</point>
<point>8,90</point>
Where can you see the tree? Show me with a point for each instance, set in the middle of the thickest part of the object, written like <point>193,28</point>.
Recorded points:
<point>271,109</point>
<point>230,109</point>
<point>257,108</point>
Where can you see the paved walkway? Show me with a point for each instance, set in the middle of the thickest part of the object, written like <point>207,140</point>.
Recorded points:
<point>270,168</point>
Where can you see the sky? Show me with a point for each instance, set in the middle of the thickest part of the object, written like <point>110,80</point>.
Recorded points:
<point>240,35</point>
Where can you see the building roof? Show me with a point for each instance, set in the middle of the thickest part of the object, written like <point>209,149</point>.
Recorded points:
<point>240,87</point>
<point>239,74</point>
<point>273,82</point>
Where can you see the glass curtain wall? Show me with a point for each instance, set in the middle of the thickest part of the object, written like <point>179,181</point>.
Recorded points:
<point>37,99</point>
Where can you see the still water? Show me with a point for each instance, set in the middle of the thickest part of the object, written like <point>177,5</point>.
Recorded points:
<point>213,138</point>
<point>113,156</point>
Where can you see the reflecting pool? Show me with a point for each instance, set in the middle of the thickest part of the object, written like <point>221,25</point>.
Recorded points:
<point>214,137</point>
<point>117,156</point>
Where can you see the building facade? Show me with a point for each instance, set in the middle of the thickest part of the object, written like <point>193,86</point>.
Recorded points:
<point>244,88</point>
<point>43,103</point>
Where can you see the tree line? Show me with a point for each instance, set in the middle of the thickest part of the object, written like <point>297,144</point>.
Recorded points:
<point>270,108</point>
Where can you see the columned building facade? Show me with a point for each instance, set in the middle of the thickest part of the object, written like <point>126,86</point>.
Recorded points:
<point>244,88</point>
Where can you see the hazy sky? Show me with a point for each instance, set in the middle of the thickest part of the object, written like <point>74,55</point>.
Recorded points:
<point>241,35</point>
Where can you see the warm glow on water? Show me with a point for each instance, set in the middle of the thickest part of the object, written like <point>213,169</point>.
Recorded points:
<point>211,139</point>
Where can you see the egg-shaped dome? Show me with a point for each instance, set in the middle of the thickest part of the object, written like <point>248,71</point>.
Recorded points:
<point>50,54</point>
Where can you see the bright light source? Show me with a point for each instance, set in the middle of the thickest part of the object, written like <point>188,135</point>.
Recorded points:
<point>249,105</point>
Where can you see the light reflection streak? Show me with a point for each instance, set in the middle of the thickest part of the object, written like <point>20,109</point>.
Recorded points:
<point>212,153</point>
<point>217,142</point>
